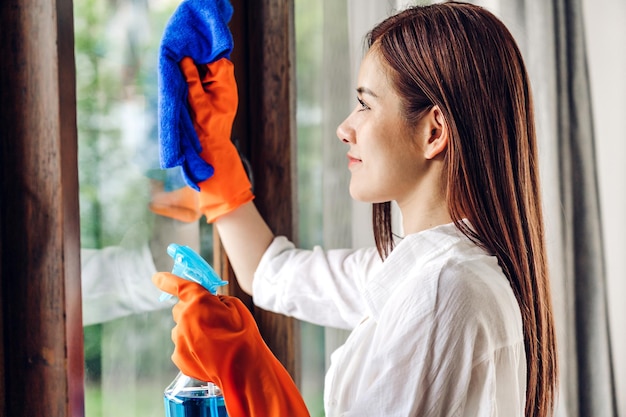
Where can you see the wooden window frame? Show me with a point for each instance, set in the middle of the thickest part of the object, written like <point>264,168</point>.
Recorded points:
<point>41,327</point>
<point>265,130</point>
<point>42,361</point>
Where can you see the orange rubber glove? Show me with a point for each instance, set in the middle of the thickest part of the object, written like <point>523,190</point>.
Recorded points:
<point>216,340</point>
<point>180,204</point>
<point>213,100</point>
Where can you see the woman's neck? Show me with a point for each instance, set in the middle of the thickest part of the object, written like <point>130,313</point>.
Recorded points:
<point>421,214</point>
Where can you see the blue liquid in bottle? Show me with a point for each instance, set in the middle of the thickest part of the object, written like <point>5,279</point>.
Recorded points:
<point>187,397</point>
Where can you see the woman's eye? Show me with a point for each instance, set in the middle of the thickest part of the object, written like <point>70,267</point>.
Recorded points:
<point>363,105</point>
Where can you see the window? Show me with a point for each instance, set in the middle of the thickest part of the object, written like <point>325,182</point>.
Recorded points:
<point>127,337</point>
<point>127,350</point>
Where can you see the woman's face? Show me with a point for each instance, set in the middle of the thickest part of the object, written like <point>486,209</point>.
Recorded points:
<point>384,155</point>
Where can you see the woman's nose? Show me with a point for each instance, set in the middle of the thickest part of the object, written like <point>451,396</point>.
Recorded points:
<point>345,133</point>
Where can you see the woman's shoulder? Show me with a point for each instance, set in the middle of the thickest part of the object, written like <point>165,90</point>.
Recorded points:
<point>475,280</point>
<point>462,284</point>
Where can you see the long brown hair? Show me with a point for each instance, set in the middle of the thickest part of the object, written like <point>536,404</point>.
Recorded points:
<point>463,59</point>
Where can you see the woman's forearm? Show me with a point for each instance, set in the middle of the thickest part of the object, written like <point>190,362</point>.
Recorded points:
<point>245,237</point>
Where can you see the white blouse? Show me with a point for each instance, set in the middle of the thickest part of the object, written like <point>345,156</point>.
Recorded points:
<point>436,329</point>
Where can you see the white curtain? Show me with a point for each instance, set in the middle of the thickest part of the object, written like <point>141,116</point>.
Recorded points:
<point>605,24</point>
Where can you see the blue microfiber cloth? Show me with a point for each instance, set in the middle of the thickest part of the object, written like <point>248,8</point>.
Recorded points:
<point>197,29</point>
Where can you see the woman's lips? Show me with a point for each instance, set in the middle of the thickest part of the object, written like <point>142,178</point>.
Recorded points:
<point>352,161</point>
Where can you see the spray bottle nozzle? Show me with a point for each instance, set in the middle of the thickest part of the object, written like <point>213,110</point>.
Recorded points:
<point>189,265</point>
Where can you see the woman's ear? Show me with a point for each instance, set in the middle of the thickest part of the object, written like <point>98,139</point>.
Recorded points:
<point>438,140</point>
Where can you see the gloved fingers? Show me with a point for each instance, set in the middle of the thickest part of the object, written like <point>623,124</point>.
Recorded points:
<point>197,310</point>
<point>194,83</point>
<point>209,326</point>
<point>168,282</point>
<point>198,307</point>
<point>225,316</point>
<point>213,98</point>
<point>218,82</point>
<point>180,204</point>
<point>202,109</point>
<point>188,361</point>
<point>213,95</point>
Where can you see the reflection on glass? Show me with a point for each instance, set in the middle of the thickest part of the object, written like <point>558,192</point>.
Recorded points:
<point>127,354</point>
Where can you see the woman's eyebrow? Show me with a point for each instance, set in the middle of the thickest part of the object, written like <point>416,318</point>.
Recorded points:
<point>365,90</point>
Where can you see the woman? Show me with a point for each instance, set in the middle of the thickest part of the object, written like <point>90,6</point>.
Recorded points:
<point>455,318</point>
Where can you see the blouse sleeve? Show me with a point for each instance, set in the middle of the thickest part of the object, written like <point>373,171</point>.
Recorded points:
<point>116,283</point>
<point>321,287</point>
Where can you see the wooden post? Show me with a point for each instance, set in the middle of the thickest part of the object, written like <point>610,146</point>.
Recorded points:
<point>41,327</point>
<point>265,127</point>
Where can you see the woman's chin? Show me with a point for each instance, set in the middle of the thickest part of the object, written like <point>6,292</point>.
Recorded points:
<point>364,196</point>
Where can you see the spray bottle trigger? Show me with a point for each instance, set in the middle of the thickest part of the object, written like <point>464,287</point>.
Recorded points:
<point>191,266</point>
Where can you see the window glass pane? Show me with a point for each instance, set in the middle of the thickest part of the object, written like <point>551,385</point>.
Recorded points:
<point>323,85</point>
<point>127,331</point>
<point>308,21</point>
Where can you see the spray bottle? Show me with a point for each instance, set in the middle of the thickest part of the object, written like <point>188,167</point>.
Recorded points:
<point>186,396</point>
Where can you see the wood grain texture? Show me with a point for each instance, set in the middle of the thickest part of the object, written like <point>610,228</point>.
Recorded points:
<point>42,347</point>
<point>265,127</point>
